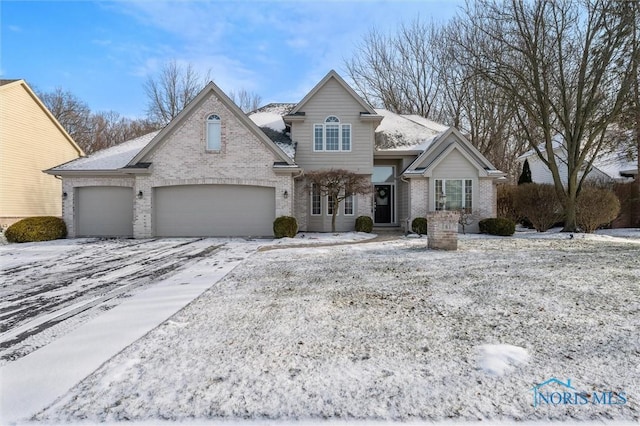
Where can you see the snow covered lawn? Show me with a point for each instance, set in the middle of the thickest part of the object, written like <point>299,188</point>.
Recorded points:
<point>390,331</point>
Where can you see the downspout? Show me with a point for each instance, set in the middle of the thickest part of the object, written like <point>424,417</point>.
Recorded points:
<point>406,227</point>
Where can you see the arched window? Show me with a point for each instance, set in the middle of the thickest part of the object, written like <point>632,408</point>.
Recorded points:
<point>214,139</point>
<point>332,135</point>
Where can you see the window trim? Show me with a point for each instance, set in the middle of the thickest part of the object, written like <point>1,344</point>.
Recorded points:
<point>352,200</point>
<point>331,120</point>
<point>210,120</point>
<point>330,206</point>
<point>315,192</point>
<point>466,183</point>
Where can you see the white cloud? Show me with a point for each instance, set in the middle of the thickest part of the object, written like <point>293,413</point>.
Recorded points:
<point>281,47</point>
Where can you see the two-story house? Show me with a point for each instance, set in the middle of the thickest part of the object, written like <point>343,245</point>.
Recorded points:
<point>215,171</point>
<point>31,139</point>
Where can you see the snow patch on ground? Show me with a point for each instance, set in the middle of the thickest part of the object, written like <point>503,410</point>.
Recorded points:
<point>497,360</point>
<point>387,331</point>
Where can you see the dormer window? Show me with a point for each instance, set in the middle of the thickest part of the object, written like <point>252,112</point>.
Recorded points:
<point>214,133</point>
<point>332,135</point>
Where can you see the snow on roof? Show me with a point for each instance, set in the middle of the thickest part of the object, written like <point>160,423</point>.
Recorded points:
<point>611,163</point>
<point>405,132</point>
<point>556,142</point>
<point>270,115</point>
<point>112,158</point>
<point>269,119</point>
<point>287,147</point>
<point>614,163</point>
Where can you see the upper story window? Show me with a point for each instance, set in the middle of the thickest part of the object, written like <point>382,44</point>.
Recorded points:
<point>214,133</point>
<point>332,135</point>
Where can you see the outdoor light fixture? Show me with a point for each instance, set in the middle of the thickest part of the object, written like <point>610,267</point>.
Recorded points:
<point>140,194</point>
<point>286,194</point>
<point>64,195</point>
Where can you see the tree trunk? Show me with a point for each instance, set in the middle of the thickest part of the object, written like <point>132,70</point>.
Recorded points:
<point>336,205</point>
<point>570,220</point>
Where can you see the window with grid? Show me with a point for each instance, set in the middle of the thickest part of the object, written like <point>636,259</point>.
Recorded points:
<point>214,130</point>
<point>348,205</point>
<point>329,205</point>
<point>316,200</point>
<point>454,194</point>
<point>332,135</point>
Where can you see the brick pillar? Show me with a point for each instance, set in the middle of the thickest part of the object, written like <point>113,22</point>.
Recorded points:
<point>442,230</point>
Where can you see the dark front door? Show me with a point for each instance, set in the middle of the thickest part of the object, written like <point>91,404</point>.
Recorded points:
<point>384,204</point>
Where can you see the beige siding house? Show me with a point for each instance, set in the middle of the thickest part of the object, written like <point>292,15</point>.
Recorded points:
<point>31,140</point>
<point>215,171</point>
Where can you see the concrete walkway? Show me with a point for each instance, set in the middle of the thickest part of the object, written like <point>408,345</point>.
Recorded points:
<point>35,381</point>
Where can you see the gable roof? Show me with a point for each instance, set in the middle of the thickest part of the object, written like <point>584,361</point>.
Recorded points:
<point>612,164</point>
<point>230,105</point>
<point>437,151</point>
<point>335,76</point>
<point>7,84</point>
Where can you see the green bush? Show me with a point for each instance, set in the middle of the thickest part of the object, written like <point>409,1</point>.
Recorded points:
<point>419,225</point>
<point>40,228</point>
<point>596,207</point>
<point>497,226</point>
<point>539,204</point>
<point>364,224</point>
<point>285,226</point>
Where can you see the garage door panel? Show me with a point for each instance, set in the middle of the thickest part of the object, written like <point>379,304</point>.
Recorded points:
<point>104,211</point>
<point>214,211</point>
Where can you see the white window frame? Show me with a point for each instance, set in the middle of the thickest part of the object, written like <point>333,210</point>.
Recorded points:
<point>330,206</point>
<point>321,131</point>
<point>349,201</point>
<point>315,194</point>
<point>213,119</point>
<point>467,184</point>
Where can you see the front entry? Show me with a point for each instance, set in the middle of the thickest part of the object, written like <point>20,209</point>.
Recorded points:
<point>384,204</point>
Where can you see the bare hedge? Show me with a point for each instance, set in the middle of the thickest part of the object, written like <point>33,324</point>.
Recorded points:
<point>538,203</point>
<point>596,207</point>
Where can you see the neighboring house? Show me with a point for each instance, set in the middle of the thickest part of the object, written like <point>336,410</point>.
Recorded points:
<point>215,171</point>
<point>31,140</point>
<point>607,167</point>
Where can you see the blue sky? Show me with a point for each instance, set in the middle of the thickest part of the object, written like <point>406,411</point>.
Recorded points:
<point>104,51</point>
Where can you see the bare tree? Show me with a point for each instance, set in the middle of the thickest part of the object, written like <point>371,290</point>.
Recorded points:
<point>396,71</point>
<point>72,113</point>
<point>172,89</point>
<point>567,67</point>
<point>337,185</point>
<point>247,101</point>
<point>110,128</point>
<point>420,70</point>
<point>475,105</point>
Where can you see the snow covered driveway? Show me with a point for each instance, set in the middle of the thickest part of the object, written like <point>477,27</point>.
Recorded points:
<point>48,289</point>
<point>390,331</point>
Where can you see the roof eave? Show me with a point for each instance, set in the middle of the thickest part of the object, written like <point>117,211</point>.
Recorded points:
<point>86,173</point>
<point>397,153</point>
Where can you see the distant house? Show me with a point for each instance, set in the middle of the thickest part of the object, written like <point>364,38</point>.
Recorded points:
<point>31,140</point>
<point>215,171</point>
<point>608,166</point>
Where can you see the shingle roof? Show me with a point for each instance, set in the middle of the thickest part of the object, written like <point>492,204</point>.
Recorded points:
<point>114,158</point>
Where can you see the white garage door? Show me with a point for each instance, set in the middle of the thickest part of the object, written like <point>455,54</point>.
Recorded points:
<point>213,211</point>
<point>104,211</point>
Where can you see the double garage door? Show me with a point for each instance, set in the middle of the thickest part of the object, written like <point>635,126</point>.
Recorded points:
<point>179,211</point>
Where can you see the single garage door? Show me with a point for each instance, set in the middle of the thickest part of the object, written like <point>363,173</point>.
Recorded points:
<point>104,211</point>
<point>214,211</point>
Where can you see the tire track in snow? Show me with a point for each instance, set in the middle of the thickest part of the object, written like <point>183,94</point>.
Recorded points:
<point>93,276</point>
